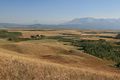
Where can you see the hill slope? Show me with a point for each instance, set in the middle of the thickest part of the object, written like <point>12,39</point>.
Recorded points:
<point>51,61</point>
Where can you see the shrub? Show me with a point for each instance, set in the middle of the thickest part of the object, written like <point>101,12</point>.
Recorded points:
<point>118,36</point>
<point>42,36</point>
<point>6,34</point>
<point>37,37</point>
<point>99,48</point>
<point>117,65</point>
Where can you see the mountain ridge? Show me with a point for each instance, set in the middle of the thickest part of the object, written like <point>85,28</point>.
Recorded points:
<point>79,23</point>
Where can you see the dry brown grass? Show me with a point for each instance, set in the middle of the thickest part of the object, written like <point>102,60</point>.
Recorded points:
<point>81,33</point>
<point>57,52</point>
<point>13,67</point>
<point>51,60</point>
<point>48,33</point>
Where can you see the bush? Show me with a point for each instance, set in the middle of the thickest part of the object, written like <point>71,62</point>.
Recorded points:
<point>6,34</point>
<point>99,48</point>
<point>117,65</point>
<point>37,37</point>
<point>42,36</point>
<point>18,39</point>
<point>118,36</point>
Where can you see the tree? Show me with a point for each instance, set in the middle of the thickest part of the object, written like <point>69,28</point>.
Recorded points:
<point>42,36</point>
<point>118,36</point>
<point>9,39</point>
<point>117,65</point>
<point>37,35</point>
<point>32,37</point>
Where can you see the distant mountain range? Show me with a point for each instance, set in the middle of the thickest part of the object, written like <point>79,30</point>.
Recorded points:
<point>32,26</point>
<point>81,23</point>
<point>94,23</point>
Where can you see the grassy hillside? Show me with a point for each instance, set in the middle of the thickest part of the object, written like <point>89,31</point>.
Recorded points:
<point>51,59</point>
<point>14,67</point>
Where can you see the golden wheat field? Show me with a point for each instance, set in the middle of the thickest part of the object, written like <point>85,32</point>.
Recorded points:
<point>53,60</point>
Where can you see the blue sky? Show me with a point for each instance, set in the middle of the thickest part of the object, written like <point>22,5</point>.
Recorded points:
<point>56,11</point>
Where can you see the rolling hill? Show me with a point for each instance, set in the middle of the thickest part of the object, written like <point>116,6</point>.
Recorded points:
<point>79,23</point>
<point>51,59</point>
<point>36,60</point>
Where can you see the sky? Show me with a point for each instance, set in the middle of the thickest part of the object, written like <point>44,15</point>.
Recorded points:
<point>56,11</point>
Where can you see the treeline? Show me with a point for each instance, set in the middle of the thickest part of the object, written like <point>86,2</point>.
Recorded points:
<point>11,36</point>
<point>17,36</point>
<point>118,36</point>
<point>6,34</point>
<point>99,48</point>
<point>32,37</point>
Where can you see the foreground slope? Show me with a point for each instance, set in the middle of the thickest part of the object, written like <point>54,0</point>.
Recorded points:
<point>15,67</point>
<point>51,60</point>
